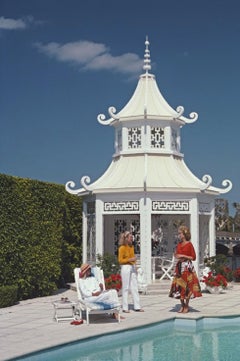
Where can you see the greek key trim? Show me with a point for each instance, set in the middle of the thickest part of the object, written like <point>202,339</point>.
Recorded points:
<point>127,206</point>
<point>171,206</point>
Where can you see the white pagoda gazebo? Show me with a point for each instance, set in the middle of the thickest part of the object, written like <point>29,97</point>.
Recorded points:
<point>147,188</point>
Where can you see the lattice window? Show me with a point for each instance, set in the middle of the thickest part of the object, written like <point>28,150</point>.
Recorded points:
<point>127,224</point>
<point>203,237</point>
<point>119,140</point>
<point>157,138</point>
<point>120,225</point>
<point>135,230</point>
<point>91,207</point>
<point>91,238</point>
<point>174,140</point>
<point>134,138</point>
<point>165,233</point>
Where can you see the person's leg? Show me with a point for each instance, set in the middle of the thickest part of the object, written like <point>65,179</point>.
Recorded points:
<point>134,290</point>
<point>110,297</point>
<point>182,306</point>
<point>186,308</point>
<point>125,274</point>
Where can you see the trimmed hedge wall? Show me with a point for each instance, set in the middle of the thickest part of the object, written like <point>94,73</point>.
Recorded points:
<point>40,236</point>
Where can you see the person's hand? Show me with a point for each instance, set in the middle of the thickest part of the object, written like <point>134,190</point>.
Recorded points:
<point>97,293</point>
<point>181,256</point>
<point>133,259</point>
<point>178,255</point>
<point>101,286</point>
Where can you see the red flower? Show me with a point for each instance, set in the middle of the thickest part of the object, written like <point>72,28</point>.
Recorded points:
<point>215,281</point>
<point>113,281</point>
<point>237,274</point>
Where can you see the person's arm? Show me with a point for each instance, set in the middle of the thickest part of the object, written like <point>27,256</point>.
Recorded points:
<point>126,255</point>
<point>86,292</point>
<point>123,255</point>
<point>188,254</point>
<point>90,287</point>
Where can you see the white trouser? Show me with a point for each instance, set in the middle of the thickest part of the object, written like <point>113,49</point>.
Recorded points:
<point>129,283</point>
<point>108,297</point>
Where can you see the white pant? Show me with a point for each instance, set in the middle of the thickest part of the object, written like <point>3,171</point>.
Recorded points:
<point>108,297</point>
<point>129,283</point>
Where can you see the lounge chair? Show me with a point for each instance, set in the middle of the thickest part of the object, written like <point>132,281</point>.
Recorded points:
<point>92,307</point>
<point>142,283</point>
<point>167,266</point>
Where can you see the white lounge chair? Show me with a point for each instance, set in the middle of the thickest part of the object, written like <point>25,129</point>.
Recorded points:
<point>142,283</point>
<point>167,266</point>
<point>91,307</point>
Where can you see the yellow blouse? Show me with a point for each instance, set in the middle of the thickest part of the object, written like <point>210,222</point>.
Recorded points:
<point>124,253</point>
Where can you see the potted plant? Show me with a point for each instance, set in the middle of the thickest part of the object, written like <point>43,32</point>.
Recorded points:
<point>237,274</point>
<point>215,283</point>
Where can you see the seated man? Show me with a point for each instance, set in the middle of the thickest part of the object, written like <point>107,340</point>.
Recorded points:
<point>92,290</point>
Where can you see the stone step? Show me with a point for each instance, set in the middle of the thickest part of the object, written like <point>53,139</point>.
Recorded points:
<point>157,287</point>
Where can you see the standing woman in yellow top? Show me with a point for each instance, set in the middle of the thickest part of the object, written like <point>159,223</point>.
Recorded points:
<point>127,260</point>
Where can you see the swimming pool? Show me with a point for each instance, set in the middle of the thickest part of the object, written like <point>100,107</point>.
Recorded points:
<point>205,339</point>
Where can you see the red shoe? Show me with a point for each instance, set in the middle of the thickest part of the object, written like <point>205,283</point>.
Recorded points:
<point>76,322</point>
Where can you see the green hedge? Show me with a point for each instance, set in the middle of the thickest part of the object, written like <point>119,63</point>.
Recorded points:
<point>40,235</point>
<point>8,295</point>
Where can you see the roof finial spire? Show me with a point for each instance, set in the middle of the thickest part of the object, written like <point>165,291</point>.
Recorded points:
<point>147,60</point>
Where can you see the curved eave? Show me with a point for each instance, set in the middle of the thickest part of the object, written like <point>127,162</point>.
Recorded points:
<point>152,173</point>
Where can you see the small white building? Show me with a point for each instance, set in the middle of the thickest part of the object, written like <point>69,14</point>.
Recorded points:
<point>147,188</point>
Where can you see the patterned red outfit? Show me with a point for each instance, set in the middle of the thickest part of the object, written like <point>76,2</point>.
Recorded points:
<point>185,284</point>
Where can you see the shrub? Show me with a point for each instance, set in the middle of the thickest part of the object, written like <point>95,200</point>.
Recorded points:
<point>219,265</point>
<point>40,236</point>
<point>108,263</point>
<point>8,296</point>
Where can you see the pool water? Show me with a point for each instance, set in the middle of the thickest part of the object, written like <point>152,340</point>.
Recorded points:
<point>206,339</point>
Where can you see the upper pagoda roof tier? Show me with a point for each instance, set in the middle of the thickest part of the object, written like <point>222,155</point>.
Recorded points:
<point>147,102</point>
<point>148,147</point>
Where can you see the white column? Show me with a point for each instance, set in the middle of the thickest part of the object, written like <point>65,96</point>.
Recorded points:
<point>194,229</point>
<point>212,231</point>
<point>84,233</point>
<point>99,226</point>
<point>145,231</point>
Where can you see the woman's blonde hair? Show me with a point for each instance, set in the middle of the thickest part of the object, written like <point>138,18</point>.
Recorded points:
<point>123,238</point>
<point>186,232</point>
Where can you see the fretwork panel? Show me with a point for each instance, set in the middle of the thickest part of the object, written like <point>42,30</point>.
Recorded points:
<point>91,207</point>
<point>157,138</point>
<point>127,224</point>
<point>119,141</point>
<point>174,140</point>
<point>134,138</point>
<point>127,206</point>
<point>171,206</point>
<point>203,237</point>
<point>165,232</point>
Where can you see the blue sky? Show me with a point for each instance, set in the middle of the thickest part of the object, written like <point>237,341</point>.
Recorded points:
<point>64,62</point>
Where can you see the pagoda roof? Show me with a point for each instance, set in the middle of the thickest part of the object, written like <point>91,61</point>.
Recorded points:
<point>135,170</point>
<point>147,102</point>
<point>136,173</point>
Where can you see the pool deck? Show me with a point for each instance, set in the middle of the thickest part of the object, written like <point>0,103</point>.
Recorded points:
<point>29,325</point>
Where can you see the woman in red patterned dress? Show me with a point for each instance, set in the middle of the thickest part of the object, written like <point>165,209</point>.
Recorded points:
<point>185,284</point>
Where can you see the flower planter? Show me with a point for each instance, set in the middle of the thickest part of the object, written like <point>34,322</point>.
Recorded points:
<point>214,290</point>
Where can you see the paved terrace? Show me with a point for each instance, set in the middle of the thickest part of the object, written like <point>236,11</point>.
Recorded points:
<point>29,325</point>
